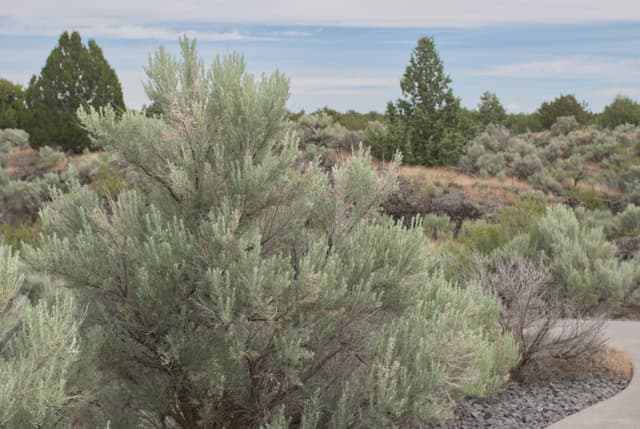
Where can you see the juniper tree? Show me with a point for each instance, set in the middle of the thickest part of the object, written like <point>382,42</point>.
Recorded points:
<point>427,123</point>
<point>564,105</point>
<point>490,110</point>
<point>228,289</point>
<point>74,75</point>
<point>622,110</point>
<point>37,350</point>
<point>12,107</point>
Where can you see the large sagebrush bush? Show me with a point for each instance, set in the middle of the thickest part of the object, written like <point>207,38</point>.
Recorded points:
<point>12,138</point>
<point>583,265</point>
<point>438,226</point>
<point>227,289</point>
<point>495,152</point>
<point>38,347</point>
<point>20,200</point>
<point>564,125</point>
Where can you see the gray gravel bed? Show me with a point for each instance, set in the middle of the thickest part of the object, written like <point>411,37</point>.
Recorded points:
<point>519,406</point>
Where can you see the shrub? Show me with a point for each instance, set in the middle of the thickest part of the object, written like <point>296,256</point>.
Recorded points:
<point>582,262</point>
<point>496,152</point>
<point>587,198</point>
<point>438,226</point>
<point>106,178</point>
<point>482,236</point>
<point>37,349</point>
<point>531,315</point>
<point>559,147</point>
<point>10,138</point>
<point>320,130</point>
<point>49,158</point>
<point>629,182</point>
<point>598,218</point>
<point>550,179</point>
<point>522,214</point>
<point>18,236</point>
<point>627,222</point>
<point>227,290</point>
<point>321,136</point>
<point>564,125</point>
<point>20,200</point>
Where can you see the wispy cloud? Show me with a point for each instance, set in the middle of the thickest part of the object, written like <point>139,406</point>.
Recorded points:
<point>567,68</point>
<point>131,32</point>
<point>376,13</point>
<point>292,33</point>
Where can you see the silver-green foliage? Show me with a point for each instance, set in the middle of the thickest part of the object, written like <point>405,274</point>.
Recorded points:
<point>627,222</point>
<point>495,152</point>
<point>20,200</point>
<point>228,290</point>
<point>564,125</point>
<point>320,130</point>
<point>37,349</point>
<point>583,265</point>
<point>10,138</point>
<point>438,226</point>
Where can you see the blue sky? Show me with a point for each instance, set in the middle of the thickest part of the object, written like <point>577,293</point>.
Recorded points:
<point>351,54</point>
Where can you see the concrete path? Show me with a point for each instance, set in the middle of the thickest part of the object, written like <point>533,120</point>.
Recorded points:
<point>623,410</point>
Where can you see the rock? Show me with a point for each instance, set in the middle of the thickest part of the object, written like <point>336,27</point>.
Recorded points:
<point>519,406</point>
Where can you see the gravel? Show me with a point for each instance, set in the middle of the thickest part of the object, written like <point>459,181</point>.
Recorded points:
<point>532,407</point>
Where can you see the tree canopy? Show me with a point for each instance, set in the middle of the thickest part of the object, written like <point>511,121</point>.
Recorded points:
<point>564,105</point>
<point>622,110</point>
<point>12,107</point>
<point>490,110</point>
<point>425,124</point>
<point>74,75</point>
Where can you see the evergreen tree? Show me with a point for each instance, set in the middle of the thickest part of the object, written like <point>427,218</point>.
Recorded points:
<point>564,105</point>
<point>490,110</point>
<point>12,107</point>
<point>229,290</point>
<point>37,349</point>
<point>428,116</point>
<point>622,110</point>
<point>74,75</point>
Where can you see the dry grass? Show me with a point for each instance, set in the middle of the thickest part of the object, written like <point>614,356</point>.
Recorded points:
<point>20,161</point>
<point>84,158</point>
<point>24,161</point>
<point>486,191</point>
<point>19,158</point>
<point>607,360</point>
<point>450,175</point>
<point>614,361</point>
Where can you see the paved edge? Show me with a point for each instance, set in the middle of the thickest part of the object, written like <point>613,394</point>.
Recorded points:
<point>621,411</point>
